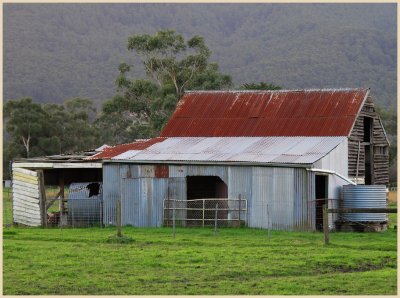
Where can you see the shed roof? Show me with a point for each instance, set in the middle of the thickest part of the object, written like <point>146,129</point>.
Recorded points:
<point>113,151</point>
<point>324,112</point>
<point>276,150</point>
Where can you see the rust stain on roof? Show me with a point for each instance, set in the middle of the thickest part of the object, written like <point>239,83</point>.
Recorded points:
<point>326,112</point>
<point>113,151</point>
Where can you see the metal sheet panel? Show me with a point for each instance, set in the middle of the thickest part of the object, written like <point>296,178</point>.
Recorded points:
<point>273,194</point>
<point>220,171</point>
<point>324,112</point>
<point>240,183</point>
<point>111,192</point>
<point>298,150</point>
<point>80,190</point>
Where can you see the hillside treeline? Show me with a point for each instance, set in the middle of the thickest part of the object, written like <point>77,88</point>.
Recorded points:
<point>139,109</point>
<point>57,51</point>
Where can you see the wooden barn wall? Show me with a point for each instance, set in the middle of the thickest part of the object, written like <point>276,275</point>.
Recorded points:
<point>26,203</point>
<point>380,161</point>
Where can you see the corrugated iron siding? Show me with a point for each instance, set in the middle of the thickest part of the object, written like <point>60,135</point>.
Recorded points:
<point>142,201</point>
<point>286,191</point>
<point>111,192</point>
<point>266,113</point>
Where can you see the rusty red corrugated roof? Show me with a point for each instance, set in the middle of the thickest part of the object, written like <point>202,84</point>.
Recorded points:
<point>325,112</point>
<point>113,151</point>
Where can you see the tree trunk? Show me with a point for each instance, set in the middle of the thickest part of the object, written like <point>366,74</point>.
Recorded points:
<point>26,144</point>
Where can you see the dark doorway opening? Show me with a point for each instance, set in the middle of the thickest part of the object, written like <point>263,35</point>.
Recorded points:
<point>201,187</point>
<point>368,165</point>
<point>321,195</point>
<point>368,125</point>
<point>206,187</point>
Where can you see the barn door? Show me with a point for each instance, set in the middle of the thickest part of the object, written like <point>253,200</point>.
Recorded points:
<point>321,195</point>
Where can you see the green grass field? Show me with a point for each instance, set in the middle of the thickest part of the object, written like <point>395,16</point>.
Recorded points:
<point>234,262</point>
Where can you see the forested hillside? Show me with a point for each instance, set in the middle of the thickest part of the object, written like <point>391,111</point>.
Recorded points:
<point>53,52</point>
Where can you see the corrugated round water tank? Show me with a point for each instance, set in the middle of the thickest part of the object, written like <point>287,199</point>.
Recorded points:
<point>364,196</point>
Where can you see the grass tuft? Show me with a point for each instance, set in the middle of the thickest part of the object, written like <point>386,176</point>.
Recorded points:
<point>119,240</point>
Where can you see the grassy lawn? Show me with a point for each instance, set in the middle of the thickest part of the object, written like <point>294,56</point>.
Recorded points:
<point>235,261</point>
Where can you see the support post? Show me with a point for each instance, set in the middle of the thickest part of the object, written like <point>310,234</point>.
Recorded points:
<point>268,227</point>
<point>204,207</point>
<point>240,199</point>
<point>119,227</point>
<point>168,211</point>
<point>326,224</point>
<point>173,219</point>
<point>358,160</point>
<point>42,199</point>
<point>216,219</point>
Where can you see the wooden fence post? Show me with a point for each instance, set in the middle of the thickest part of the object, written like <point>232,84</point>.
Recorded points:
<point>42,199</point>
<point>204,207</point>
<point>240,198</point>
<point>326,223</point>
<point>119,228</point>
<point>216,219</point>
<point>174,219</point>
<point>268,224</point>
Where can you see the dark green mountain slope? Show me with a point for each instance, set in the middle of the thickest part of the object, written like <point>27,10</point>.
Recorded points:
<point>57,51</point>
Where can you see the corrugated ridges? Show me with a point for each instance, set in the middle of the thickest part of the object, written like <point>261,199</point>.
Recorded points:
<point>289,150</point>
<point>325,112</point>
<point>111,152</point>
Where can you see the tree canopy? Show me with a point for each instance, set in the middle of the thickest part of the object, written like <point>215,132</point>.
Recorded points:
<point>141,107</point>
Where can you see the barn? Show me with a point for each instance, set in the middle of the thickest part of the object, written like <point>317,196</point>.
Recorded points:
<point>255,158</point>
<point>268,158</point>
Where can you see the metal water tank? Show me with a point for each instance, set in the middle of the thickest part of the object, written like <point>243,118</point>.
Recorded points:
<point>364,196</point>
<point>85,203</point>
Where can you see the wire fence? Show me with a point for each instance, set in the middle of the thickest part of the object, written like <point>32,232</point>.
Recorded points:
<point>315,213</point>
<point>210,212</point>
<point>7,207</point>
<point>61,212</point>
<point>205,212</point>
<point>77,213</point>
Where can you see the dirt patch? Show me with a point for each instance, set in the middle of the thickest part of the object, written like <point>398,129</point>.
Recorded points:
<point>393,196</point>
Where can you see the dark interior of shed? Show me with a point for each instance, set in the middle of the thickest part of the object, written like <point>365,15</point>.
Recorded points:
<point>62,178</point>
<point>207,187</point>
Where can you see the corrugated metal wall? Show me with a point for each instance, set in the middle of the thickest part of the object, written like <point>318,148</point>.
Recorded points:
<point>280,193</point>
<point>336,160</point>
<point>284,191</point>
<point>288,193</point>
<point>111,192</point>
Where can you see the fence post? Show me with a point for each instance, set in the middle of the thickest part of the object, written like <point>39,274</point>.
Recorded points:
<point>119,228</point>
<point>326,223</point>
<point>4,207</point>
<point>168,211</point>
<point>204,207</point>
<point>268,227</point>
<point>42,199</point>
<point>173,218</point>
<point>101,215</point>
<point>216,219</point>
<point>240,197</point>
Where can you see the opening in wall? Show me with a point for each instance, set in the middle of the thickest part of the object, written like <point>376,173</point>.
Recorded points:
<point>368,124</point>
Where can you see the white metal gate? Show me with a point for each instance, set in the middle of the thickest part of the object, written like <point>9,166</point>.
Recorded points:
<point>204,212</point>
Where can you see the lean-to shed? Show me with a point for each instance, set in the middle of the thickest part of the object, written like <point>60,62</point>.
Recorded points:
<point>285,152</point>
<point>31,176</point>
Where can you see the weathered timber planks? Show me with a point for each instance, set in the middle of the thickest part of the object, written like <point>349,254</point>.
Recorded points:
<point>380,161</point>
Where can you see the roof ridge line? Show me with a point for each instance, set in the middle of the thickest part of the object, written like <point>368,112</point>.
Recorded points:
<point>281,90</point>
